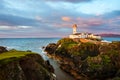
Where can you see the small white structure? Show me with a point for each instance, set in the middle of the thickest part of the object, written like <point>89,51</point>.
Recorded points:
<point>82,35</point>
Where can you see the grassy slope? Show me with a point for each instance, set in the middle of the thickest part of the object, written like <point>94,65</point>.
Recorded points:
<point>14,53</point>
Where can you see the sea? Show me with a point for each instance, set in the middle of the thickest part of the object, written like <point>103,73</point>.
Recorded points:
<point>36,44</point>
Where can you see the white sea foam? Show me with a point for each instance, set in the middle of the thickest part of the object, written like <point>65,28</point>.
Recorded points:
<point>106,41</point>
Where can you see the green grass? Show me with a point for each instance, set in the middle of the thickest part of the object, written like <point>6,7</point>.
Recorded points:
<point>72,45</point>
<point>13,53</point>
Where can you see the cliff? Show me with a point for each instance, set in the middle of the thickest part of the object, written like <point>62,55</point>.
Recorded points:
<point>24,65</point>
<point>87,61</point>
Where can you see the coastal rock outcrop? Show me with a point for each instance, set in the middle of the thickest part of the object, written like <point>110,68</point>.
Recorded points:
<point>51,48</point>
<point>87,61</point>
<point>3,49</point>
<point>28,67</point>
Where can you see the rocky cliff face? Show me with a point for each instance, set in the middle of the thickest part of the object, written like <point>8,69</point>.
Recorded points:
<point>29,67</point>
<point>87,61</point>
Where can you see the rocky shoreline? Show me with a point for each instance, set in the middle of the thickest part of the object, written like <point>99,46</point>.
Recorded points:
<point>24,65</point>
<point>66,64</point>
<point>87,61</point>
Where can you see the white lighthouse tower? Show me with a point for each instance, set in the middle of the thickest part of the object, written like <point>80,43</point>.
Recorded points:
<point>74,28</point>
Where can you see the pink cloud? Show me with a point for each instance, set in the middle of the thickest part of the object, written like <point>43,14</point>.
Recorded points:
<point>66,25</point>
<point>89,22</point>
<point>114,21</point>
<point>67,19</point>
<point>95,22</point>
<point>81,22</point>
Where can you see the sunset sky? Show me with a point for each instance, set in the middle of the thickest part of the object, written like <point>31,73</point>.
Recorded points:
<point>54,18</point>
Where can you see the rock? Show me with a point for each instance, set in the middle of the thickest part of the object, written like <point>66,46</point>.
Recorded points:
<point>50,68</point>
<point>11,71</point>
<point>29,67</point>
<point>29,51</point>
<point>43,47</point>
<point>51,48</point>
<point>3,49</point>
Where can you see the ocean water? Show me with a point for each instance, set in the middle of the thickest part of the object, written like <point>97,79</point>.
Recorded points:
<point>111,38</point>
<point>35,45</point>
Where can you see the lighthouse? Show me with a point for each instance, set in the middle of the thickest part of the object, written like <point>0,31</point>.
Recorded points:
<point>74,28</point>
<point>82,35</point>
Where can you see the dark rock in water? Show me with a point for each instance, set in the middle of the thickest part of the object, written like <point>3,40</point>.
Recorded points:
<point>43,47</point>
<point>3,49</point>
<point>51,48</point>
<point>29,67</point>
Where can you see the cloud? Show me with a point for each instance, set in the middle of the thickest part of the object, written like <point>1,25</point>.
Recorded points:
<point>57,16</point>
<point>23,27</point>
<point>67,19</point>
<point>71,1</point>
<point>38,18</point>
<point>5,27</point>
<point>95,22</point>
<point>14,27</point>
<point>84,22</point>
<point>12,20</point>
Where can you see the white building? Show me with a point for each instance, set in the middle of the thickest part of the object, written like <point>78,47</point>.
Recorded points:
<point>82,35</point>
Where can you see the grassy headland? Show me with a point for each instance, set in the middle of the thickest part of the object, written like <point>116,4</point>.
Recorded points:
<point>87,60</point>
<point>24,65</point>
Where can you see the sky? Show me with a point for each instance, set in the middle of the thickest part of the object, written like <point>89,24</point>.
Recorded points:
<point>54,18</point>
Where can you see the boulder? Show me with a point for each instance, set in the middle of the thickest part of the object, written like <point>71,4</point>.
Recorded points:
<point>3,49</point>
<point>51,48</point>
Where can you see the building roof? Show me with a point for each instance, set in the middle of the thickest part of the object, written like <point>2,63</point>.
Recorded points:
<point>82,33</point>
<point>77,34</point>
